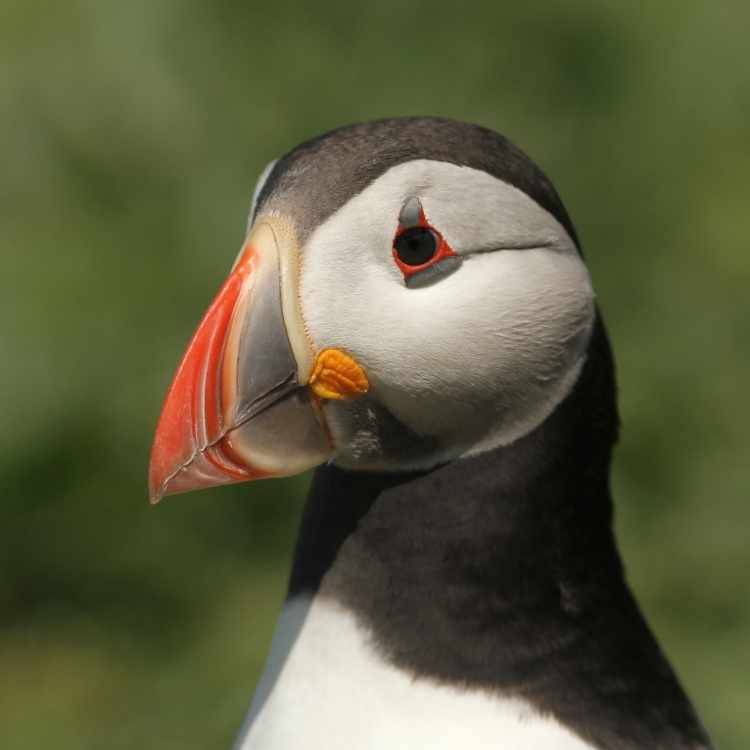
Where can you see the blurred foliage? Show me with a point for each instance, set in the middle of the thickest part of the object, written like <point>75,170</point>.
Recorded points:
<point>131,135</point>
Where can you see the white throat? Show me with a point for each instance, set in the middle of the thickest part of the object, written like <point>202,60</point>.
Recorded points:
<point>326,688</point>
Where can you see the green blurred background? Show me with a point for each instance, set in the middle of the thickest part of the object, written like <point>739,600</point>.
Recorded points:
<point>130,138</point>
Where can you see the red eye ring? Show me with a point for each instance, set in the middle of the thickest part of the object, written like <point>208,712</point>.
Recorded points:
<point>412,241</point>
<point>416,246</point>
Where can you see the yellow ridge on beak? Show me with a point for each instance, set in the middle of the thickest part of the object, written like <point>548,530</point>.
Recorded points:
<point>336,375</point>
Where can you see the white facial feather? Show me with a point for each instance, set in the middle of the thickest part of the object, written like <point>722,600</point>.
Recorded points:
<point>476,359</point>
<point>261,181</point>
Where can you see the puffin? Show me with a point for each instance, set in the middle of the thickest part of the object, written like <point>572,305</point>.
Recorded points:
<point>410,314</point>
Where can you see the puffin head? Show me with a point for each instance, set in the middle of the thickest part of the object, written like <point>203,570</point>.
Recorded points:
<point>409,292</point>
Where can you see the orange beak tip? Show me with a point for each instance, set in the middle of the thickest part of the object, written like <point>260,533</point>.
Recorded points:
<point>224,415</point>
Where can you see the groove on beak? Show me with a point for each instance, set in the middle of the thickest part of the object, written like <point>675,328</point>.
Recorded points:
<point>238,407</point>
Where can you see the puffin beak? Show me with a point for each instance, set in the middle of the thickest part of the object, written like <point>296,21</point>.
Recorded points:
<point>246,400</point>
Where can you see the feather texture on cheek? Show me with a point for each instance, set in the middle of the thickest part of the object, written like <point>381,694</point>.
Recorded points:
<point>474,360</point>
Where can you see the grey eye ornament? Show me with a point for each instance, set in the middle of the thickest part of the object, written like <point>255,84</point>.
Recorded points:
<point>419,250</point>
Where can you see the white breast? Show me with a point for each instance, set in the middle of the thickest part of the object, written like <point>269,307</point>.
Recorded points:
<point>325,686</point>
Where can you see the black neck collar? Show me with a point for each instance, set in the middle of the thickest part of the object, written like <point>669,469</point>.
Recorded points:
<point>501,572</point>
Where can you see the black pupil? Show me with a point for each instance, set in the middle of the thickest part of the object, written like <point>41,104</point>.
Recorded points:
<point>416,246</point>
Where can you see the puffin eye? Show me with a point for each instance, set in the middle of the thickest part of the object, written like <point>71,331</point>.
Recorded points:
<point>416,246</point>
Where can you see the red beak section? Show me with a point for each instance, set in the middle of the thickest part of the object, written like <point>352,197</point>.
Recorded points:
<point>191,450</point>
<point>236,396</point>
